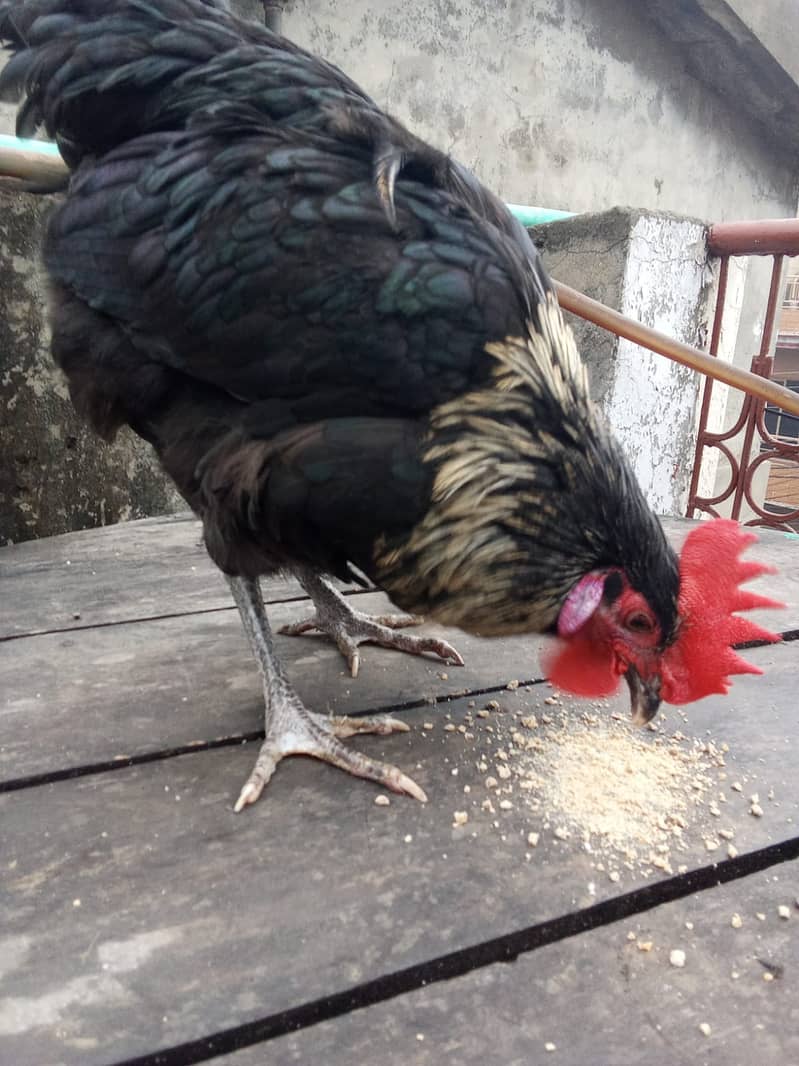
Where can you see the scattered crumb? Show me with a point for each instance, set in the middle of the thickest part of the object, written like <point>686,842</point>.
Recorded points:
<point>736,921</point>
<point>783,911</point>
<point>444,676</point>
<point>420,1036</point>
<point>756,810</point>
<point>677,958</point>
<point>382,801</point>
<point>632,801</point>
<point>76,903</point>
<point>705,1029</point>
<point>549,1046</point>
<point>631,935</point>
<point>768,976</point>
<point>644,945</point>
<point>460,818</point>
<point>408,838</point>
<point>427,725</point>
<point>512,685</point>
<point>689,926</point>
<point>760,916</point>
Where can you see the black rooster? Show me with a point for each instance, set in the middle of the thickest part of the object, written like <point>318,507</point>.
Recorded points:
<point>343,349</point>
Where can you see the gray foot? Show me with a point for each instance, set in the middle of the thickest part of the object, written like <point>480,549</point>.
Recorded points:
<point>350,628</point>
<point>294,730</point>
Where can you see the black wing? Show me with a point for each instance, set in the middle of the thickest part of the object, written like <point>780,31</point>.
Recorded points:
<point>260,261</point>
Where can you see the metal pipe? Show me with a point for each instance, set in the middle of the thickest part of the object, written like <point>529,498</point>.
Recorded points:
<point>537,216</point>
<point>686,354</point>
<point>38,162</point>
<point>765,236</point>
<point>273,15</point>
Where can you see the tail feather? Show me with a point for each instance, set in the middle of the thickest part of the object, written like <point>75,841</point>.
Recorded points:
<point>99,72</point>
<point>94,72</point>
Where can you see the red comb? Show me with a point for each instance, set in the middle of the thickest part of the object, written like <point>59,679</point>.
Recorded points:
<point>701,659</point>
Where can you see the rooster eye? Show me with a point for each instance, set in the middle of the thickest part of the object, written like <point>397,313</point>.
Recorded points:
<point>639,623</point>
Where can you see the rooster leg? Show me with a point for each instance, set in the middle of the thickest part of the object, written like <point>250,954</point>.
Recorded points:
<point>291,729</point>
<point>349,628</point>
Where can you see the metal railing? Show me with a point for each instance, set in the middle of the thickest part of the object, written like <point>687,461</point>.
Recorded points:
<point>758,445</point>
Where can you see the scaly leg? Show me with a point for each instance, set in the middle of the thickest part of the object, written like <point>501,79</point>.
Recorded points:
<point>349,628</point>
<point>291,729</point>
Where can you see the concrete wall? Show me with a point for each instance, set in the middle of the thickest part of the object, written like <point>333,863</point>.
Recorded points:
<point>653,268</point>
<point>574,104</point>
<point>55,475</point>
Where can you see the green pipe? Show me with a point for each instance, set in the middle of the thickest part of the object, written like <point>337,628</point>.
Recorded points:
<point>39,147</point>
<point>537,216</point>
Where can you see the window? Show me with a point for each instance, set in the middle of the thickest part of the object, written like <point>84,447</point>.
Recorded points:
<point>791,291</point>
<point>778,423</point>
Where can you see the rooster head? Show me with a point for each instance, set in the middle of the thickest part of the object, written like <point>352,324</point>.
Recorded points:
<point>607,630</point>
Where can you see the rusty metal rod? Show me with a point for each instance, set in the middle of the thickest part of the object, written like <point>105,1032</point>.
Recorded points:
<point>38,164</point>
<point>765,236</point>
<point>43,169</point>
<point>707,392</point>
<point>607,318</point>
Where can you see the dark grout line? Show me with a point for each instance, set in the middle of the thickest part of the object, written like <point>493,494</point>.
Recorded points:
<point>500,949</point>
<point>119,622</point>
<point>786,637</point>
<point>122,762</point>
<point>70,773</point>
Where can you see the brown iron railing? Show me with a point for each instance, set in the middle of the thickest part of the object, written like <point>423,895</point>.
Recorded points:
<point>758,446</point>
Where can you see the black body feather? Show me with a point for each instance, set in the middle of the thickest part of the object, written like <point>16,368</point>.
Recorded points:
<point>328,330</point>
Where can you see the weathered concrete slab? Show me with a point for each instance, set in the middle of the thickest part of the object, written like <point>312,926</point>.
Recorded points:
<point>654,269</point>
<point>158,660</point>
<point>144,687</point>
<point>598,998</point>
<point>191,919</point>
<point>158,567</point>
<point>55,474</point>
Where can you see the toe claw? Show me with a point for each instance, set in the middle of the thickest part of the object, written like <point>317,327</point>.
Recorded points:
<point>248,795</point>
<point>403,783</point>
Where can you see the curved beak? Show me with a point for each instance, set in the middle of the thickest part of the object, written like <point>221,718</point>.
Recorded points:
<point>644,696</point>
